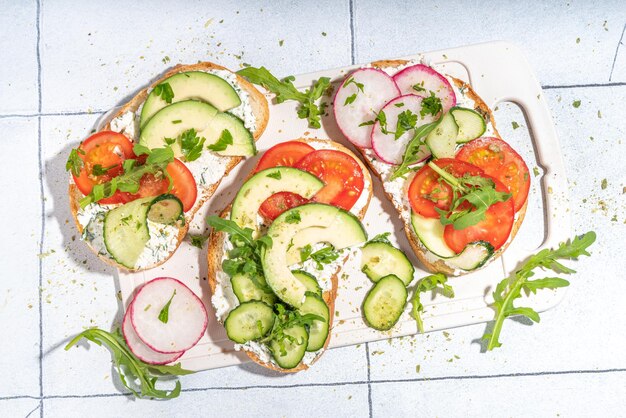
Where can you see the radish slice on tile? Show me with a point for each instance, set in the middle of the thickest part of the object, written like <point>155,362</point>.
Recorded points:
<point>421,79</point>
<point>139,349</point>
<point>362,94</point>
<point>384,142</point>
<point>167,316</point>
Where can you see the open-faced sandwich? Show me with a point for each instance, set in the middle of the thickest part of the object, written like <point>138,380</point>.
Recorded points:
<point>458,187</point>
<point>136,184</point>
<point>277,252</point>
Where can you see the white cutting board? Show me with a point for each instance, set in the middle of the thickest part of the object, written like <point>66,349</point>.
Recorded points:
<point>498,72</point>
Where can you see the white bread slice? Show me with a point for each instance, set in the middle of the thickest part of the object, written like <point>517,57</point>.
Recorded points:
<point>431,262</point>
<point>216,253</point>
<point>260,109</point>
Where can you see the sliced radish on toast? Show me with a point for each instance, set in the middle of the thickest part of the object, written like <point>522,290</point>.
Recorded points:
<point>357,102</point>
<point>139,349</point>
<point>400,114</point>
<point>421,79</point>
<point>167,316</point>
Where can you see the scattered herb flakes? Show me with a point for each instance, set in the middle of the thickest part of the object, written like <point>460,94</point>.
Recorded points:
<point>549,190</point>
<point>165,59</point>
<point>576,104</point>
<point>208,22</point>
<point>536,171</point>
<point>599,115</point>
<point>577,40</point>
<point>324,33</point>
<point>281,42</point>
<point>198,240</point>
<point>515,125</point>
<point>417,368</point>
<point>604,184</point>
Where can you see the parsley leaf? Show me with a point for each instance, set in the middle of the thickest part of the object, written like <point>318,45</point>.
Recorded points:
<point>275,175</point>
<point>412,149</point>
<point>225,139</point>
<point>138,377</point>
<point>322,256</point>
<point>293,217</point>
<point>433,282</point>
<point>509,289</point>
<point>419,87</point>
<point>431,105</point>
<point>191,144</point>
<point>74,163</point>
<point>350,99</point>
<point>164,315</point>
<point>406,122</point>
<point>165,92</point>
<point>198,240</point>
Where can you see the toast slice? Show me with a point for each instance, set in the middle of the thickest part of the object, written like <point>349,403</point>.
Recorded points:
<point>429,260</point>
<point>220,282</point>
<point>260,110</point>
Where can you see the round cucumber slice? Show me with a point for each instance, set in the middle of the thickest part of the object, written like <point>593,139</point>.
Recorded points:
<point>442,139</point>
<point>471,124</point>
<point>318,332</point>
<point>249,321</point>
<point>379,259</point>
<point>166,209</point>
<point>288,353</point>
<point>246,289</point>
<point>385,303</point>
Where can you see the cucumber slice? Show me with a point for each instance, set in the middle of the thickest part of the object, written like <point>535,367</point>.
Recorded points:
<point>308,280</point>
<point>473,256</point>
<point>471,124</point>
<point>380,259</point>
<point>442,139</point>
<point>126,231</point>
<point>246,289</point>
<point>249,321</point>
<point>318,332</point>
<point>293,351</point>
<point>166,209</point>
<point>243,141</point>
<point>385,303</point>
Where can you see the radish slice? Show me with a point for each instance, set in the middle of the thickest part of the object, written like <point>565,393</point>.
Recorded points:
<point>386,147</point>
<point>353,107</point>
<point>424,77</point>
<point>186,319</point>
<point>139,349</point>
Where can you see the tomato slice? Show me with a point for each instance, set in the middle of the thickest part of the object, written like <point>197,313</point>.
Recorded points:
<point>495,228</point>
<point>105,149</point>
<point>427,191</point>
<point>286,154</point>
<point>499,160</point>
<point>341,173</point>
<point>183,185</point>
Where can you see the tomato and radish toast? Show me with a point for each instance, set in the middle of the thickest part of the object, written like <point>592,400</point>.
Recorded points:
<point>423,80</point>
<point>216,244</point>
<point>362,94</point>
<point>260,110</point>
<point>141,350</point>
<point>167,316</point>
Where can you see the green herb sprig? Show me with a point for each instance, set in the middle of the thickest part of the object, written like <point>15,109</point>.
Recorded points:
<point>165,92</point>
<point>191,144</point>
<point>359,87</point>
<point>164,314</point>
<point>138,377</point>
<point>74,163</point>
<point>225,139</point>
<point>325,255</point>
<point>286,319</point>
<point>428,283</point>
<point>412,149</point>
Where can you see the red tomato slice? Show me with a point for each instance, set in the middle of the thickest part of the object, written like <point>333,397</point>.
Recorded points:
<point>495,228</point>
<point>428,192</point>
<point>341,173</point>
<point>108,150</point>
<point>499,160</point>
<point>184,185</point>
<point>286,154</point>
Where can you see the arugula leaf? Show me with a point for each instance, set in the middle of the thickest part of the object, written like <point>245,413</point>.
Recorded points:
<point>428,283</point>
<point>305,252</point>
<point>138,377</point>
<point>293,217</point>
<point>225,139</point>
<point>165,92</point>
<point>412,149</point>
<point>98,170</point>
<point>164,315</point>
<point>308,109</point>
<point>509,289</point>
<point>74,163</point>
<point>431,105</point>
<point>286,319</point>
<point>198,240</point>
<point>367,123</point>
<point>325,255</point>
<point>384,238</point>
<point>191,144</point>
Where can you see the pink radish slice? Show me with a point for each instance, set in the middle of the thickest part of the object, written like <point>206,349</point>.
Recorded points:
<point>428,79</point>
<point>378,89</point>
<point>139,349</point>
<point>187,317</point>
<point>386,147</point>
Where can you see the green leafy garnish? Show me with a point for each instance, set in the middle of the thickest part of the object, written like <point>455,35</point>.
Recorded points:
<point>164,91</point>
<point>428,283</point>
<point>275,175</point>
<point>509,289</point>
<point>419,87</point>
<point>479,192</point>
<point>412,149</point>
<point>74,162</point>
<point>225,139</point>
<point>285,90</point>
<point>198,240</point>
<point>98,170</point>
<point>383,238</point>
<point>191,144</point>
<point>325,255</point>
<point>293,217</point>
<point>431,105</point>
<point>286,319</point>
<point>576,103</point>
<point>138,377</point>
<point>164,315</point>
<point>406,122</point>
<point>350,99</point>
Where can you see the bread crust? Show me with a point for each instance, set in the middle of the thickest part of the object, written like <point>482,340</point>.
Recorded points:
<point>439,265</point>
<point>215,252</point>
<point>260,109</point>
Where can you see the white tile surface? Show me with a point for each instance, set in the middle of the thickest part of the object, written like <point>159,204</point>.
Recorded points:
<point>19,298</point>
<point>546,31</point>
<point>111,57</point>
<point>18,43</point>
<point>19,408</point>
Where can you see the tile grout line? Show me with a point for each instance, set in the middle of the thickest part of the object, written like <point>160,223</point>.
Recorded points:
<point>369,380</point>
<point>574,86</point>
<point>43,205</point>
<point>352,33</point>
<point>616,52</point>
